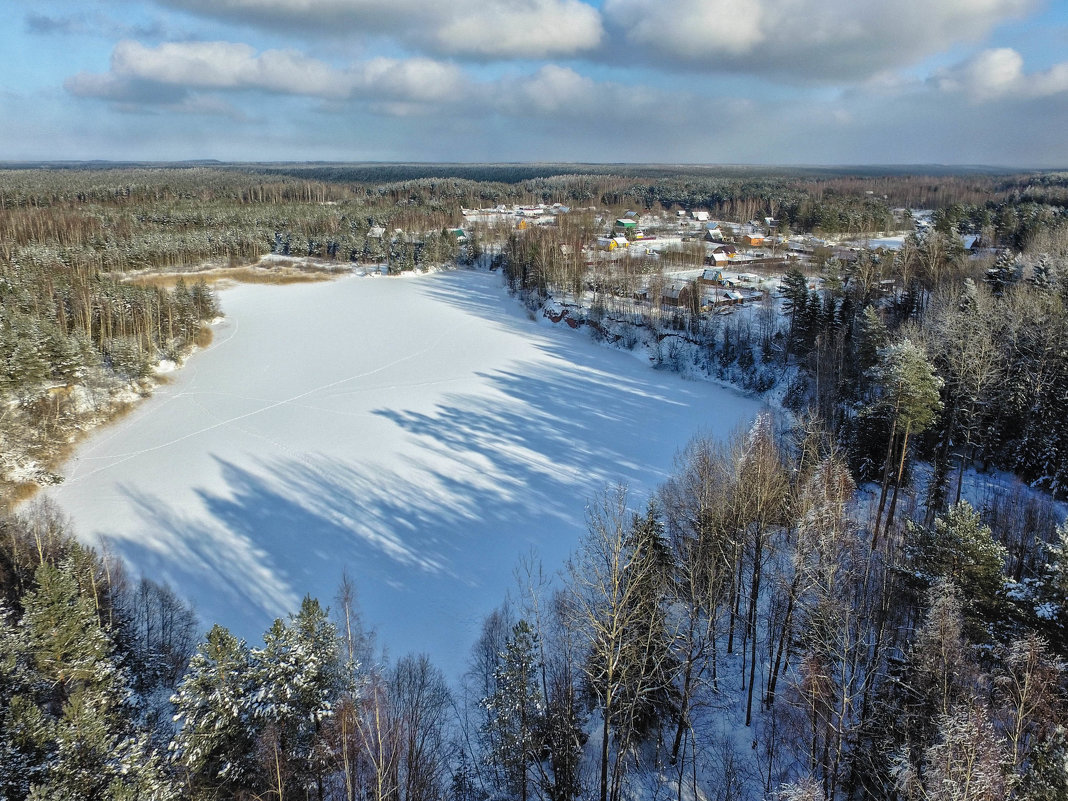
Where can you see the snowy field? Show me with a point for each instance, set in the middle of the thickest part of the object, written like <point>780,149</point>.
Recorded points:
<point>419,433</point>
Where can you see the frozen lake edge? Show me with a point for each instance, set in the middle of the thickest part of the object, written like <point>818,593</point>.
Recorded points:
<point>419,433</point>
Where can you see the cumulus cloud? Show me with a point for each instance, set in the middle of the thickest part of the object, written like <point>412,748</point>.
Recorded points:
<point>551,90</point>
<point>143,74</point>
<point>519,30</point>
<point>467,28</point>
<point>691,30</point>
<point>999,73</point>
<point>559,93</point>
<point>805,39</point>
<point>227,65</point>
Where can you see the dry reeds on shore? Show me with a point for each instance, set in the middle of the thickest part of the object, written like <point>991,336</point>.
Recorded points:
<point>295,273</point>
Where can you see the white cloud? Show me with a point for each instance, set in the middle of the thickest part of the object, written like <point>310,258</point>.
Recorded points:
<point>999,73</point>
<point>552,90</point>
<point>140,73</point>
<point>532,29</point>
<point>804,39</point>
<point>691,29</point>
<point>560,93</point>
<point>472,28</point>
<point>227,65</point>
<point>989,74</point>
<point>414,79</point>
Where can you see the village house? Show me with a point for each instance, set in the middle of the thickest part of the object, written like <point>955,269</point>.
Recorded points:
<point>677,294</point>
<point>718,297</point>
<point>608,243</point>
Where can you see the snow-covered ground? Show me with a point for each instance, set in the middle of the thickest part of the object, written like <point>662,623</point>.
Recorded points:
<point>419,433</point>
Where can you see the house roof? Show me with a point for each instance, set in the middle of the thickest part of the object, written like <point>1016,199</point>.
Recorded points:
<point>674,289</point>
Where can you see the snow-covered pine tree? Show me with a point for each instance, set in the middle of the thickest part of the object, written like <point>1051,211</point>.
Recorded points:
<point>654,698</point>
<point>23,729</point>
<point>514,711</point>
<point>960,549</point>
<point>909,395</point>
<point>92,749</point>
<point>215,746</point>
<point>1006,272</point>
<point>1051,604</point>
<point>298,677</point>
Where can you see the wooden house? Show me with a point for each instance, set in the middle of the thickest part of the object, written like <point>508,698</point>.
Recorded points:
<point>677,294</point>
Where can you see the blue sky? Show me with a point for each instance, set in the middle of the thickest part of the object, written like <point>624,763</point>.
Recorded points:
<point>677,81</point>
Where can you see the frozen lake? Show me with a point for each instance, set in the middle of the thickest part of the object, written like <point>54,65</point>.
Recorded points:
<point>419,433</point>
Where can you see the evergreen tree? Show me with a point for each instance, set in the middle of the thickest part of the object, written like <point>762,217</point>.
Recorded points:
<point>872,337</point>
<point>216,742</point>
<point>94,751</point>
<point>653,697</point>
<point>908,393</point>
<point>1052,601</point>
<point>514,712</point>
<point>298,677</point>
<point>1006,272</point>
<point>24,731</point>
<point>960,549</point>
<point>795,304</point>
<point>1046,775</point>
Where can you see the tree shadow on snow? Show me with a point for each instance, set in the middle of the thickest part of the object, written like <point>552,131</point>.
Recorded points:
<point>432,543</point>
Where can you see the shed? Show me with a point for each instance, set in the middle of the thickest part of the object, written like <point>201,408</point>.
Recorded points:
<point>677,294</point>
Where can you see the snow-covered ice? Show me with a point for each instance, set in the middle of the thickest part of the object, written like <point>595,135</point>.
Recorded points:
<point>420,434</point>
